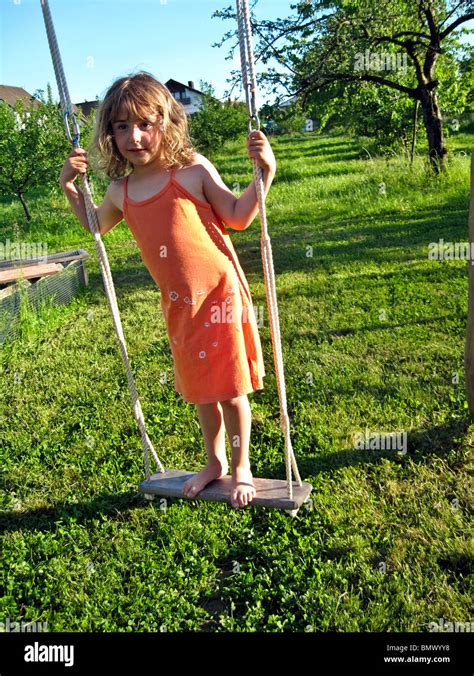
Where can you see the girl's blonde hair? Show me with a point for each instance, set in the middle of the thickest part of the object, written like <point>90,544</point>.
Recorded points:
<point>143,96</point>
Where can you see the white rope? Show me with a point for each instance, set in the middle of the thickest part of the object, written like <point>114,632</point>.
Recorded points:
<point>94,227</point>
<point>250,89</point>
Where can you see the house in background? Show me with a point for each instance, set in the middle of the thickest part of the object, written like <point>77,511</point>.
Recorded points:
<point>10,94</point>
<point>189,97</point>
<point>87,107</point>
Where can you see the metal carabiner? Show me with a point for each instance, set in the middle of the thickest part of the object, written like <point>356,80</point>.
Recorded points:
<point>77,131</point>
<point>254,118</point>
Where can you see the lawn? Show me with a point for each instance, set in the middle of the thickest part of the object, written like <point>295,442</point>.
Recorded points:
<point>373,337</point>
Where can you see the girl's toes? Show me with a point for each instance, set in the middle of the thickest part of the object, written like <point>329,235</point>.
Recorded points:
<point>188,490</point>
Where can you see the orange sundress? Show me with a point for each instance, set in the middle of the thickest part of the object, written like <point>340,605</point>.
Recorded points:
<point>205,297</point>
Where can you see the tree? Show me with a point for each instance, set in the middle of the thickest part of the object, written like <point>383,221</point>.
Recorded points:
<point>288,119</point>
<point>342,41</point>
<point>33,146</point>
<point>386,115</point>
<point>216,122</point>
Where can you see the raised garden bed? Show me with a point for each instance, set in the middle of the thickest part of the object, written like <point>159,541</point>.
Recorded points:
<point>57,280</point>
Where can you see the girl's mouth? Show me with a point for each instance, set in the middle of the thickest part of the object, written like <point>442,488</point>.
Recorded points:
<point>138,150</point>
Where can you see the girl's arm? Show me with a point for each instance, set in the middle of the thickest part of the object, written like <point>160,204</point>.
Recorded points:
<point>238,213</point>
<point>108,214</point>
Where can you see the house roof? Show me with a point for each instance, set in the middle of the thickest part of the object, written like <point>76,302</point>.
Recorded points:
<point>10,94</point>
<point>87,106</point>
<point>175,85</point>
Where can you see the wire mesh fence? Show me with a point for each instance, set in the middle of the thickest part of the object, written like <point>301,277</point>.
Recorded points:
<point>56,289</point>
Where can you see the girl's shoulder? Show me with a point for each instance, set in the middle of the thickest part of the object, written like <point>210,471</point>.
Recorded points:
<point>191,177</point>
<point>201,160</point>
<point>116,192</point>
<point>196,158</point>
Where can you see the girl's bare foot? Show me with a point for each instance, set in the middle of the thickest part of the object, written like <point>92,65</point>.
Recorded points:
<point>213,470</point>
<point>243,490</point>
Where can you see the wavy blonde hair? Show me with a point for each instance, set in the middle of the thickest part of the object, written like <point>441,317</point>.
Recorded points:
<point>143,96</point>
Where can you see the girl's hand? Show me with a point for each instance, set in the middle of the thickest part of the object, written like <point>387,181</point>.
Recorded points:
<point>260,149</point>
<point>75,164</point>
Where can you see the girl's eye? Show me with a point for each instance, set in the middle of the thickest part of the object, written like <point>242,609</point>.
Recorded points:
<point>123,126</point>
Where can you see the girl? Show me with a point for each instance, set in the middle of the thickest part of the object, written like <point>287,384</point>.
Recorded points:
<point>178,210</point>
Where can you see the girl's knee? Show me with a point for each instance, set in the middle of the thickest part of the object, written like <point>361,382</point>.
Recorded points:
<point>236,402</point>
<point>205,408</point>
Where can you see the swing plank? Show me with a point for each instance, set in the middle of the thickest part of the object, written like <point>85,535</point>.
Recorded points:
<point>270,492</point>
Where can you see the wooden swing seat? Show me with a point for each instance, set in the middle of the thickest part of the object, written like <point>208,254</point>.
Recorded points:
<point>271,493</point>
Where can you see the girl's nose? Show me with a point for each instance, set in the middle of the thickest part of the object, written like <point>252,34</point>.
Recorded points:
<point>136,134</point>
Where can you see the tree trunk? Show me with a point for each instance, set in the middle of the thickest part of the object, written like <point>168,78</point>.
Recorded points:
<point>23,203</point>
<point>434,129</point>
<point>415,122</point>
<point>469,348</point>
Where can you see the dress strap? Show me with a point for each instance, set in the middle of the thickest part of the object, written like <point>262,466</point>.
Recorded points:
<point>125,189</point>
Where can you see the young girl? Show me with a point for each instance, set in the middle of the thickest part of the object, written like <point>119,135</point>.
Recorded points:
<point>178,210</point>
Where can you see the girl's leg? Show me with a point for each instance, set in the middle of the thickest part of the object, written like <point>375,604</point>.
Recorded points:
<point>212,425</point>
<point>238,422</point>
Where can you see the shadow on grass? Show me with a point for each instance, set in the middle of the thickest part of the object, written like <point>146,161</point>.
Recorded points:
<point>319,143</point>
<point>375,244</point>
<point>46,518</point>
<point>439,441</point>
<point>335,157</point>
<point>320,337</point>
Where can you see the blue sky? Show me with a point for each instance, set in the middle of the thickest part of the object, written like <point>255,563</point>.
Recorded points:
<point>101,40</point>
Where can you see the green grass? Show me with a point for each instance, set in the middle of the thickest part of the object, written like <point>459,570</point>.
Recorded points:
<point>373,338</point>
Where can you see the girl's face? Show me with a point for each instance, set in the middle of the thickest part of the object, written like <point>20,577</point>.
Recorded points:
<point>137,139</point>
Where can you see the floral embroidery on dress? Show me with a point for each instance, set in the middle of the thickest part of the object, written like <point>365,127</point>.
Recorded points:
<point>202,354</point>
<point>215,343</point>
<point>207,325</point>
<point>174,295</point>
<point>189,301</point>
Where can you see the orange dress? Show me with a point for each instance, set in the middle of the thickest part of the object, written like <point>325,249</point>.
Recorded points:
<point>205,297</point>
